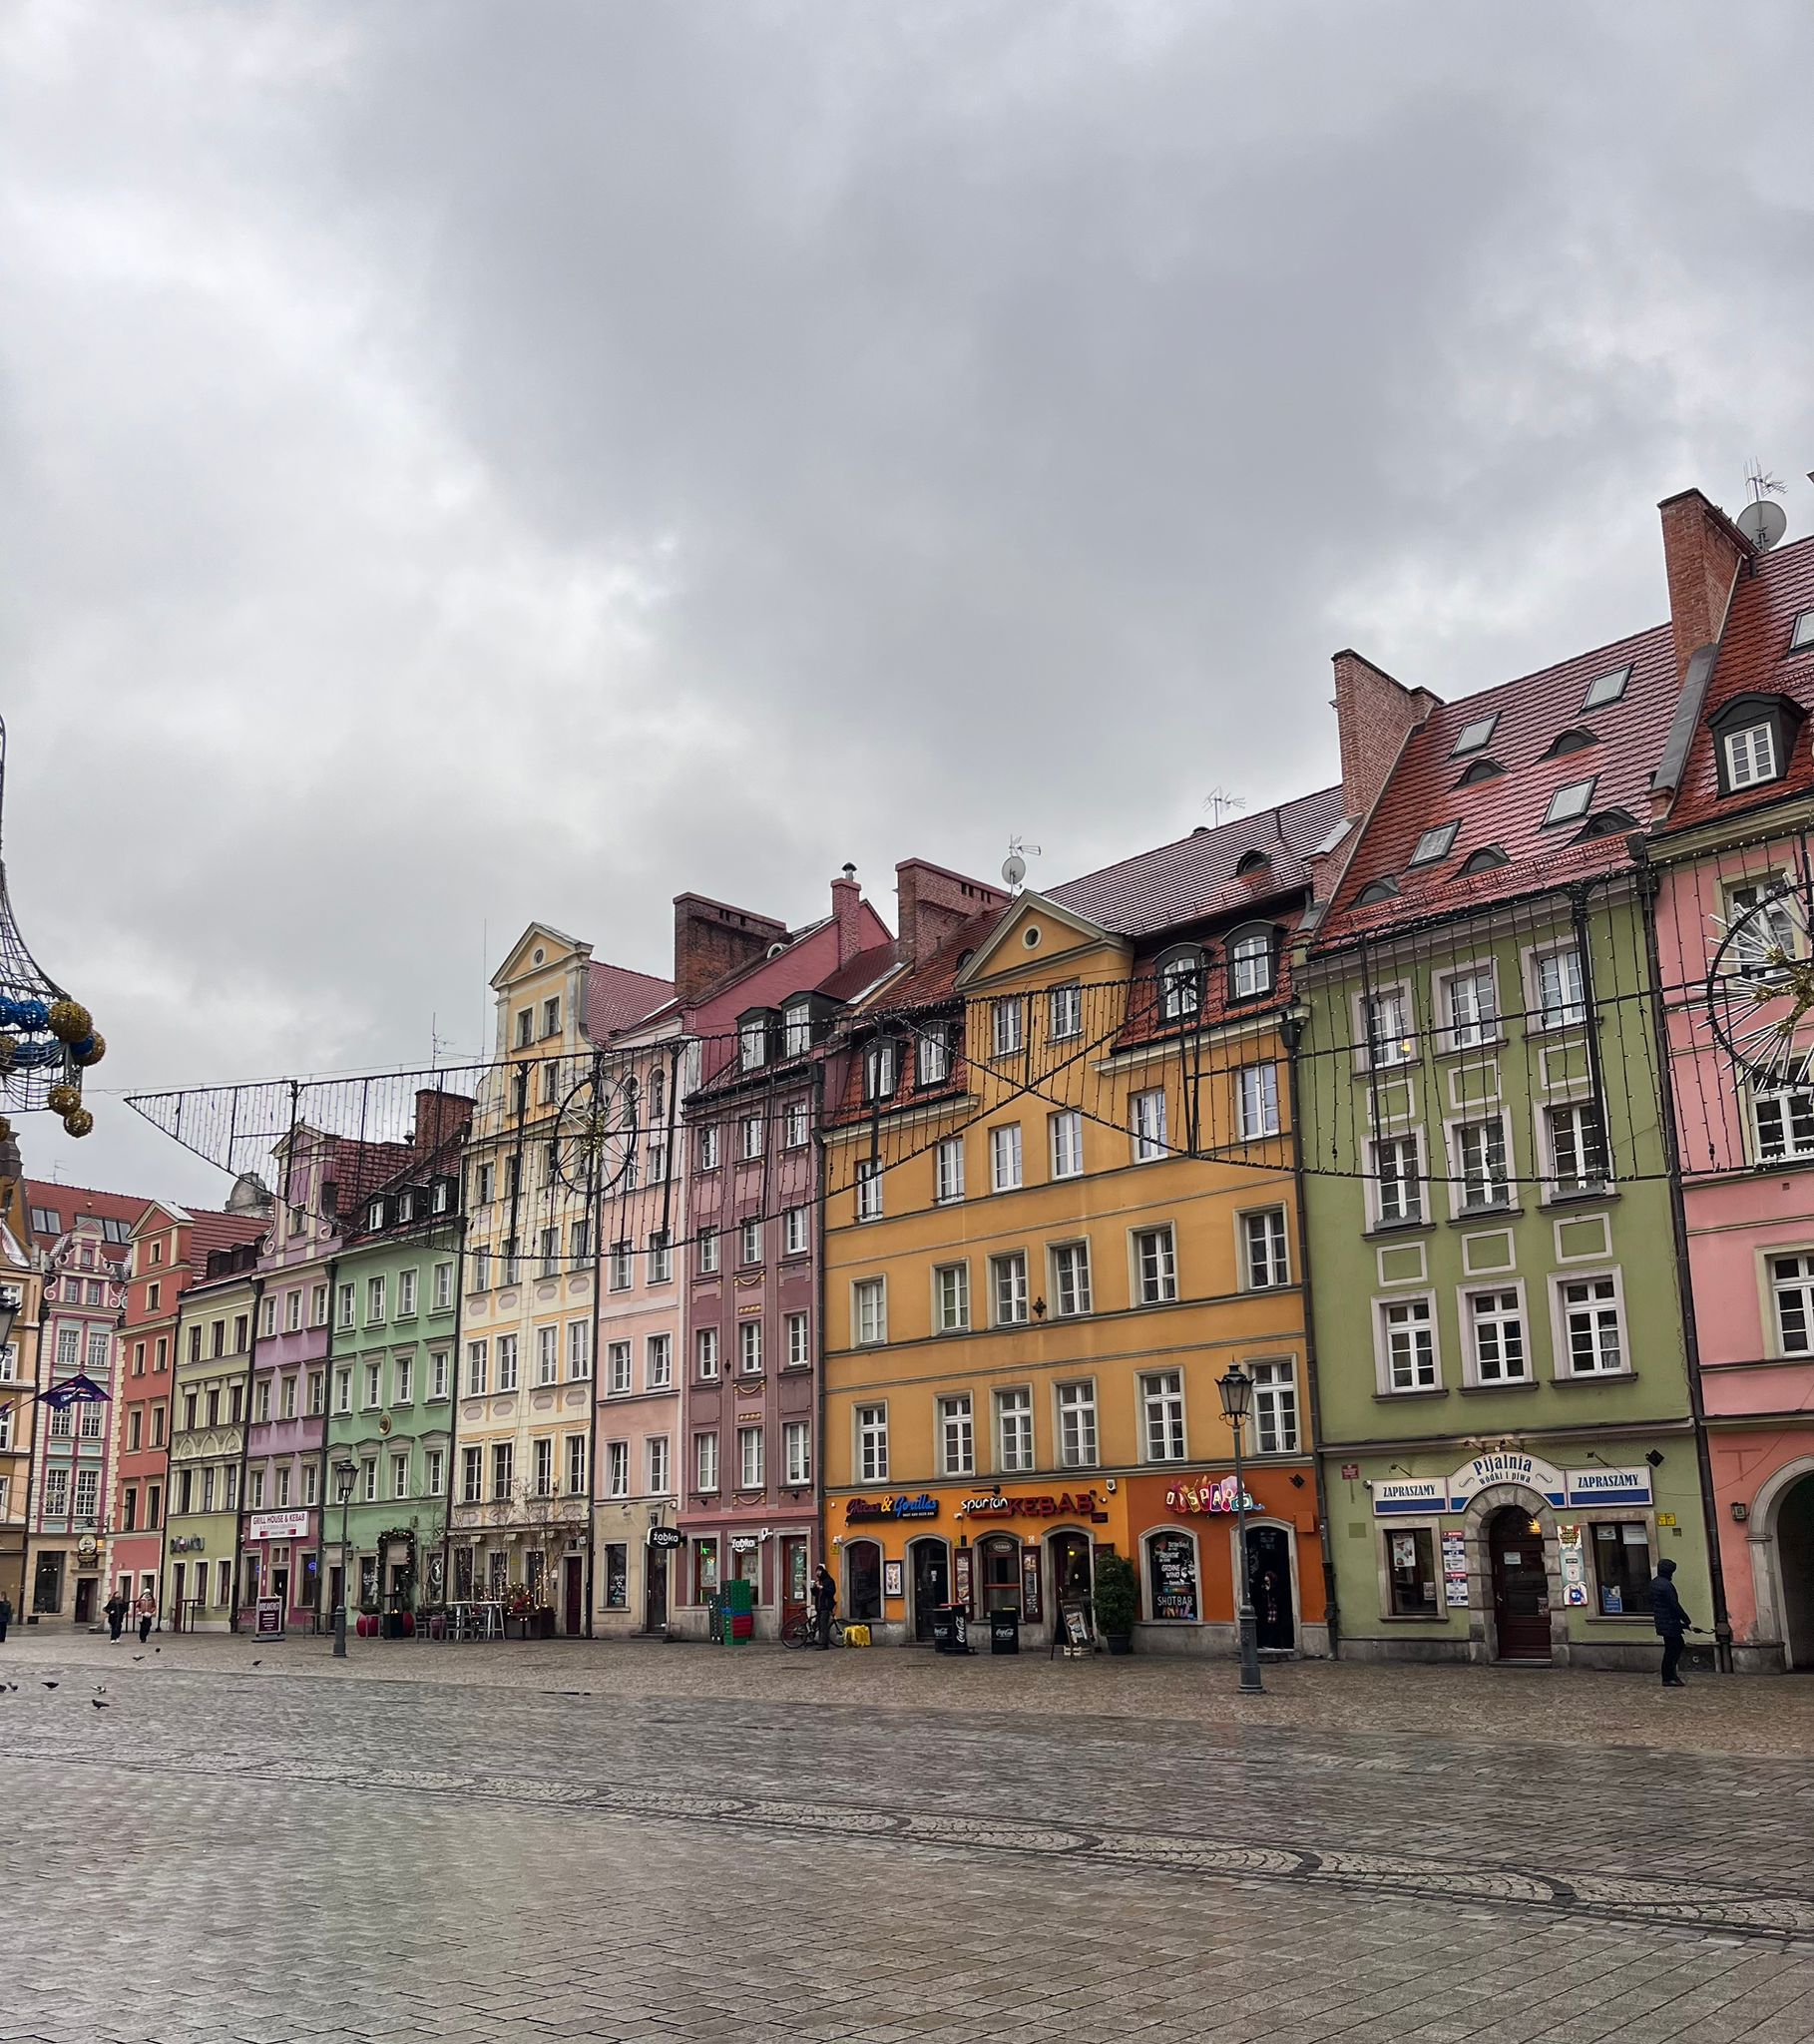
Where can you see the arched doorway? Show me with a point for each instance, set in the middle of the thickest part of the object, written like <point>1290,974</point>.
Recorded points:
<point>1000,1557</point>
<point>1795,1560</point>
<point>1521,1584</point>
<point>1073,1579</point>
<point>931,1583</point>
<point>862,1581</point>
<point>1269,1586</point>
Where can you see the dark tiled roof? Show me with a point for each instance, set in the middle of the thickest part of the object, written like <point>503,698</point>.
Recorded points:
<point>1508,810</point>
<point>858,975</point>
<point>210,1232</point>
<point>615,998</point>
<point>1755,658</point>
<point>1195,878</point>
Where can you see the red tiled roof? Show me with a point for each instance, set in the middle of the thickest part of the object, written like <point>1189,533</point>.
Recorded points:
<point>615,998</point>
<point>1508,811</point>
<point>856,977</point>
<point>930,979</point>
<point>1195,878</point>
<point>210,1232</point>
<point>1755,658</point>
<point>73,1201</point>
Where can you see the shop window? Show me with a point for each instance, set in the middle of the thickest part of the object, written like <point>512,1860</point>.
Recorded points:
<point>864,1582</point>
<point>704,1570</point>
<point>1411,1566</point>
<point>1622,1568</point>
<point>1000,1573</point>
<point>1171,1591</point>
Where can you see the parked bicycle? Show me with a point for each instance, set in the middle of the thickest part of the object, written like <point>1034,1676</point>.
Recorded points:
<point>803,1631</point>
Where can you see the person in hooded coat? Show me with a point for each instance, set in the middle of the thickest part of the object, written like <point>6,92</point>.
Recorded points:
<point>1670,1620</point>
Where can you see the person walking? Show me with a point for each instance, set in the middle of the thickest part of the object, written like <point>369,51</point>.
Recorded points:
<point>1670,1620</point>
<point>824,1605</point>
<point>116,1608</point>
<point>148,1614</point>
<point>6,1616</point>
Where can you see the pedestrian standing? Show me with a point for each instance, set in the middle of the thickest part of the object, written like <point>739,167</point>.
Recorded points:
<point>824,1605</point>
<point>6,1616</point>
<point>116,1608</point>
<point>1670,1620</point>
<point>147,1612</point>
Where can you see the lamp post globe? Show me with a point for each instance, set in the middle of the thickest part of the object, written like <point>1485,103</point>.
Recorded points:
<point>1236,1390</point>
<point>346,1475</point>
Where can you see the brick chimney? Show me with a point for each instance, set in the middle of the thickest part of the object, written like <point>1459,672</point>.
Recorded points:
<point>1374,715</point>
<point>712,941</point>
<point>931,901</point>
<point>440,1118</point>
<point>846,913</point>
<point>1703,554</point>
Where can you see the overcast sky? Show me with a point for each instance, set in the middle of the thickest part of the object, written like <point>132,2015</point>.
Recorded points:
<point>467,463</point>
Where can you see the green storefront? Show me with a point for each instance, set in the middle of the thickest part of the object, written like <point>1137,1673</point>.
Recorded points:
<point>391,1380</point>
<point>1503,1414</point>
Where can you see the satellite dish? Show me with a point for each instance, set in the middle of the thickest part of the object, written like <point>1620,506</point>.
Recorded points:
<point>1762,523</point>
<point>1014,869</point>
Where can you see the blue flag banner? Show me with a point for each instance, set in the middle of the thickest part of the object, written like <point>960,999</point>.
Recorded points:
<point>81,1390</point>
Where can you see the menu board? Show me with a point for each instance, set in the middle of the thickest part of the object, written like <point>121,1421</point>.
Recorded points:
<point>960,1582</point>
<point>1455,1571</point>
<point>1030,1584</point>
<point>1173,1569</point>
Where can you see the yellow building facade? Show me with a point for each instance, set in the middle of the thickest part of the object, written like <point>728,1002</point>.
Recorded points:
<point>1059,1205</point>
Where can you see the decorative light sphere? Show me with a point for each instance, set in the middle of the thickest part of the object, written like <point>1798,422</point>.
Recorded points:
<point>31,1014</point>
<point>91,1050</point>
<point>7,1047</point>
<point>77,1122</point>
<point>63,1098</point>
<point>70,1021</point>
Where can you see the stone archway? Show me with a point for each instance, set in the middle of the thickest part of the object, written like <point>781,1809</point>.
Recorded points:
<point>1782,1580</point>
<point>1482,1629</point>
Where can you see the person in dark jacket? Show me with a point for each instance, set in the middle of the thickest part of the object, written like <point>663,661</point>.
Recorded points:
<point>1670,1620</point>
<point>114,1610</point>
<point>6,1615</point>
<point>824,1604</point>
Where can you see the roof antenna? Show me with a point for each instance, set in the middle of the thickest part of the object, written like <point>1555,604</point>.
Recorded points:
<point>1014,867</point>
<point>1762,522</point>
<point>1222,805</point>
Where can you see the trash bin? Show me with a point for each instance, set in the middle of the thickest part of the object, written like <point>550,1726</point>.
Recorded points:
<point>1005,1631</point>
<point>948,1630</point>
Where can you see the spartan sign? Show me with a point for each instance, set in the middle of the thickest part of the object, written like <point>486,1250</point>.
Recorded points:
<point>1760,990</point>
<point>596,1137</point>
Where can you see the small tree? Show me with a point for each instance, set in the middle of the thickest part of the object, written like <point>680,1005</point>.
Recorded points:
<point>1117,1596</point>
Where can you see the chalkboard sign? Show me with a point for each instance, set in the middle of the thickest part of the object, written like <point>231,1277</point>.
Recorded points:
<point>1077,1625</point>
<point>1173,1572</point>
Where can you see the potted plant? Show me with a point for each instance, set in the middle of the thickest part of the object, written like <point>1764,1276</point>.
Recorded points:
<point>518,1613</point>
<point>1117,1602</point>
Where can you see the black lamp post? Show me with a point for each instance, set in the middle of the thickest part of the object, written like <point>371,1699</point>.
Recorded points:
<point>345,1476</point>
<point>1236,1388</point>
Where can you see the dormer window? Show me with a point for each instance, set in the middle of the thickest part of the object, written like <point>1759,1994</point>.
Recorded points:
<point>1574,739</point>
<point>881,1064</point>
<point>1609,823</point>
<point>752,1040</point>
<point>1482,770</point>
<point>1250,967</point>
<point>406,1207</point>
<point>1474,736</point>
<point>1376,891</point>
<point>1569,801</point>
<point>1485,860</point>
<point>1180,984</point>
<point>1251,862</point>
<point>796,1029</point>
<point>1753,736</point>
<point>1434,844</point>
<point>1607,687</point>
<point>442,1194</point>
<point>933,1057</point>
<point>1802,637</point>
<point>374,1216</point>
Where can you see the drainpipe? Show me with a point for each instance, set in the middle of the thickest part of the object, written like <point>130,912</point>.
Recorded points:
<point>1648,883</point>
<point>1291,1030</point>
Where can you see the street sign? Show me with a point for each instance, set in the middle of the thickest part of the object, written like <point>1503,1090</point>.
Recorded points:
<point>666,1536</point>
<point>270,1617</point>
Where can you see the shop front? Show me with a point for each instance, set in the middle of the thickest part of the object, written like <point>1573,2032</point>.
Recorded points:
<point>777,1559</point>
<point>900,1556</point>
<point>280,1564</point>
<point>66,1578</point>
<point>1508,1556</point>
<point>1187,1540</point>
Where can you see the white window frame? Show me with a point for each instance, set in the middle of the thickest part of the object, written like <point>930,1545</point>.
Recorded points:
<point>749,1347</point>
<point>1070,1279</point>
<point>1165,1275</point>
<point>1066,1143</point>
<point>1784,1106</point>
<point>1471,1323</point>
<point>1278,1248</point>
<point>1075,1423</point>
<point>869,1313</point>
<point>797,1327</point>
<point>619,1364</point>
<point>1009,1286</point>
<point>868,1189</point>
<point>1418,1185</point>
<point>1164,1416</point>
<point>1400,1046</point>
<point>1383,1314</point>
<point>1016,1444</point>
<point>948,1172</point>
<point>1561,1283</point>
<point>797,1454</point>
<point>869,1430</point>
<point>1480,1029</point>
<point>1778,1286</point>
<point>1256,1101</point>
<point>1250,964</point>
<point>1752,748</point>
<point>1006,1160</point>
<point>951,1300</point>
<point>1147,1124</point>
<point>1275,1406</point>
<point>1460,1208</point>
<point>1570,1013</point>
<point>1064,1013</point>
<point>1007,1026</point>
<point>796,1233</point>
<point>705,1354</point>
<point>1553,1187</point>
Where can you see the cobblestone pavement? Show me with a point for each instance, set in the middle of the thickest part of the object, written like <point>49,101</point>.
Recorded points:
<point>626,1843</point>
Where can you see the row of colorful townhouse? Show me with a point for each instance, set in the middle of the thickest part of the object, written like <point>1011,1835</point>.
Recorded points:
<point>1461,1105</point>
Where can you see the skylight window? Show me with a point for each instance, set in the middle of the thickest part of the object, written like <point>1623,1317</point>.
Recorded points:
<point>1474,736</point>
<point>1803,633</point>
<point>1569,801</point>
<point>1434,844</point>
<point>1606,688</point>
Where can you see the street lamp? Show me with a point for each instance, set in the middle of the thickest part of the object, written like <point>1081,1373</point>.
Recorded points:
<point>346,1475</point>
<point>1236,1388</point>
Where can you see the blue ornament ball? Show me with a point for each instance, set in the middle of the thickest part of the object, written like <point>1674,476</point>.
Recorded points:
<point>32,1015</point>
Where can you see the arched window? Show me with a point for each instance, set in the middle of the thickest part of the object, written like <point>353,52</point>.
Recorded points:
<point>1377,890</point>
<point>1611,823</point>
<point>1000,1559</point>
<point>1576,739</point>
<point>1482,770</point>
<point>1172,1592</point>
<point>1181,983</point>
<point>1251,862</point>
<point>1252,953</point>
<point>1484,860</point>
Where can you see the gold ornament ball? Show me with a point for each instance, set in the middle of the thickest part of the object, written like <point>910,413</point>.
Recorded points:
<point>77,1122</point>
<point>70,1021</point>
<point>8,1044</point>
<point>63,1098</point>
<point>6,1130</point>
<point>96,1053</point>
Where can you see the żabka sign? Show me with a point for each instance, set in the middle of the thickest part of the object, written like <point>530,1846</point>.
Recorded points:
<point>925,1506</point>
<point>1081,1505</point>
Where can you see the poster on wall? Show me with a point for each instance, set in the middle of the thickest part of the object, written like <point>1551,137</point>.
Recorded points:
<point>893,1575</point>
<point>1574,1565</point>
<point>1174,1568</point>
<point>1455,1571</point>
<point>960,1582</point>
<point>1030,1584</point>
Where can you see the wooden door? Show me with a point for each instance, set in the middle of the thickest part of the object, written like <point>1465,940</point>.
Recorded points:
<point>795,1580</point>
<point>931,1584</point>
<point>576,1596</point>
<point>1521,1585</point>
<point>655,1611</point>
